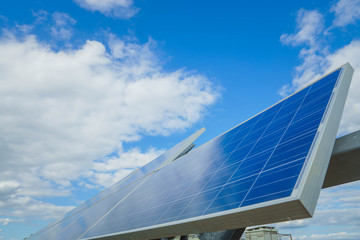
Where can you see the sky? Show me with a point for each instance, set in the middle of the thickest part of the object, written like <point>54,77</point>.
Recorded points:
<point>92,89</point>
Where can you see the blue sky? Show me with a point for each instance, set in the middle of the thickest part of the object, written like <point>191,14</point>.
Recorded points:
<point>91,89</point>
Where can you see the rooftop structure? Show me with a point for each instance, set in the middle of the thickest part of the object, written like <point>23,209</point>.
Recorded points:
<point>262,233</point>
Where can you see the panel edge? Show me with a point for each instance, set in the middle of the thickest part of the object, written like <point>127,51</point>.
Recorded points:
<point>313,179</point>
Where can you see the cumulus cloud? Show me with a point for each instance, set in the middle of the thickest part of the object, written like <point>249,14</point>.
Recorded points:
<point>346,12</point>
<point>22,207</point>
<point>309,26</point>
<point>309,31</point>
<point>117,8</point>
<point>15,200</point>
<point>62,112</point>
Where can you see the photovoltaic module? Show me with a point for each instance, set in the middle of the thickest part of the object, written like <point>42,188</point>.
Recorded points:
<point>267,169</point>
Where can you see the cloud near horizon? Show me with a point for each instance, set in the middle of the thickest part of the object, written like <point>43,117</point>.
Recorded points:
<point>337,207</point>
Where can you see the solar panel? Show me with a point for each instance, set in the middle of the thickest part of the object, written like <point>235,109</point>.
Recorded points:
<point>79,219</point>
<point>269,168</point>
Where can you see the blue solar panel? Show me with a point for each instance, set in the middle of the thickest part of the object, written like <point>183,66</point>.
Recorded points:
<point>74,223</point>
<point>260,161</point>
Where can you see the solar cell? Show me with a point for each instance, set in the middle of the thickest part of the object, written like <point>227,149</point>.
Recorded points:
<point>269,168</point>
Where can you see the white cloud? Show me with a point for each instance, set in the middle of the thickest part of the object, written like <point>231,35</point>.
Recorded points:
<point>116,8</point>
<point>24,28</point>
<point>346,195</point>
<point>15,201</point>
<point>40,16</point>
<point>26,206</point>
<point>62,112</point>
<point>6,221</point>
<point>346,12</point>
<point>309,26</point>
<point>337,216</point>
<point>301,223</point>
<point>62,28</point>
<point>309,33</point>
<point>340,236</point>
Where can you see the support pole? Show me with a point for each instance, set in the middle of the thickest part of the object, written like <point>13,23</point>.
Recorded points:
<point>344,166</point>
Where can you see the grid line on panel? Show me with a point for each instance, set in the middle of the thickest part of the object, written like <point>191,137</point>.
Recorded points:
<point>294,138</point>
<point>166,205</point>
<point>241,179</point>
<point>85,210</point>
<point>82,207</point>
<point>200,191</point>
<point>120,201</point>
<point>274,148</point>
<point>340,70</point>
<point>139,175</point>
<point>279,166</point>
<point>252,143</point>
<point>279,180</point>
<point>79,211</point>
<point>247,153</point>
<point>270,194</point>
<point>220,167</point>
<point>292,158</point>
<point>252,156</point>
<point>78,214</point>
